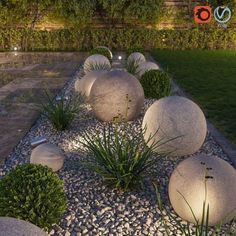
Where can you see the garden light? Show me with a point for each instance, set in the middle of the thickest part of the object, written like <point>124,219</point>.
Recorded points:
<point>37,141</point>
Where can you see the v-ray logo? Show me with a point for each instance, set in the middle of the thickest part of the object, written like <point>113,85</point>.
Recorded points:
<point>222,14</point>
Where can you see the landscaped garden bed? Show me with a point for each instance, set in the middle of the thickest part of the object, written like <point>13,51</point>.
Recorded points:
<point>93,208</point>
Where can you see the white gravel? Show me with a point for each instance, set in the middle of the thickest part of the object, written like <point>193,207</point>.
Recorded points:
<point>93,208</point>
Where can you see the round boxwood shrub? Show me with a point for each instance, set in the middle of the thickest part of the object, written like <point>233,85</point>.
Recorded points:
<point>103,51</point>
<point>33,193</point>
<point>156,84</point>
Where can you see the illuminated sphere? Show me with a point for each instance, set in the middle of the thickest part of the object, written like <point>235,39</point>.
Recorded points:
<point>96,62</point>
<point>189,179</point>
<point>84,85</point>
<point>137,57</point>
<point>116,94</point>
<point>146,66</point>
<point>15,227</point>
<point>107,50</point>
<point>177,121</point>
<point>48,155</point>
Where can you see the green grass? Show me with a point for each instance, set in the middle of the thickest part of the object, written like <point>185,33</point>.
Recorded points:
<point>209,77</point>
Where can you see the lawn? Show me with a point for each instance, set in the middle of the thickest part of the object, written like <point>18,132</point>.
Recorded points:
<point>209,78</point>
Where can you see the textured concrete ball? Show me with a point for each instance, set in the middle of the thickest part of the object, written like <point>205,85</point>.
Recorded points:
<point>146,66</point>
<point>48,155</point>
<point>84,85</point>
<point>108,49</point>
<point>96,62</point>
<point>15,227</point>
<point>203,178</point>
<point>116,94</point>
<point>176,122</point>
<point>137,57</point>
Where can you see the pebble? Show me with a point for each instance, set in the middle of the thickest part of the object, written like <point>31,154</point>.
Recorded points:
<point>94,208</point>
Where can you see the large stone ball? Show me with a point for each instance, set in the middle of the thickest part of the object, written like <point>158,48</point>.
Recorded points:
<point>108,49</point>
<point>177,123</point>
<point>137,57</point>
<point>146,66</point>
<point>84,85</point>
<point>203,178</point>
<point>48,155</point>
<point>96,62</point>
<point>16,227</point>
<point>116,94</point>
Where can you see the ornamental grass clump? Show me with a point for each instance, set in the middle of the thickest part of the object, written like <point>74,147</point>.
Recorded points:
<point>132,66</point>
<point>33,193</point>
<point>156,84</point>
<point>200,228</point>
<point>119,155</point>
<point>60,112</point>
<point>102,51</point>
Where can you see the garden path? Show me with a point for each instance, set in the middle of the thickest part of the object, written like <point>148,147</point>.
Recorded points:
<point>23,79</point>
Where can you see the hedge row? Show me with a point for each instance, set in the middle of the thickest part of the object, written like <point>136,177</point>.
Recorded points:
<point>121,39</point>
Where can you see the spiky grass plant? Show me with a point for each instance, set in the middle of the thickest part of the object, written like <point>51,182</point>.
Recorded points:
<point>200,228</point>
<point>97,66</point>
<point>60,112</point>
<point>132,66</point>
<point>119,155</point>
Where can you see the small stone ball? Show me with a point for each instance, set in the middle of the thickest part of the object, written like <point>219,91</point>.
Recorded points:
<point>108,49</point>
<point>138,57</point>
<point>204,178</point>
<point>96,62</point>
<point>146,66</point>
<point>116,95</point>
<point>176,122</point>
<point>48,155</point>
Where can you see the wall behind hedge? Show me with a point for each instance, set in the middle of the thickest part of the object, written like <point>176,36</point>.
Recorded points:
<point>121,39</point>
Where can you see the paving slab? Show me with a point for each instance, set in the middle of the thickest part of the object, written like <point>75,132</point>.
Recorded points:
<point>24,77</point>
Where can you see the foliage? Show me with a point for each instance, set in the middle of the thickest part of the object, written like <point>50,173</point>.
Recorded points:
<point>62,112</point>
<point>121,39</point>
<point>25,13</point>
<point>156,84</point>
<point>76,13</point>
<point>201,228</point>
<point>132,66</point>
<point>97,66</point>
<point>103,51</point>
<point>33,193</point>
<point>119,155</point>
<point>148,11</point>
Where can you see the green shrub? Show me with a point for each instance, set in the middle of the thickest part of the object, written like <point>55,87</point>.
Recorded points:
<point>119,39</point>
<point>156,84</point>
<point>103,51</point>
<point>33,193</point>
<point>61,113</point>
<point>119,155</point>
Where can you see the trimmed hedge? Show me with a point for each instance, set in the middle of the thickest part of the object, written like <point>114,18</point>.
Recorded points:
<point>122,39</point>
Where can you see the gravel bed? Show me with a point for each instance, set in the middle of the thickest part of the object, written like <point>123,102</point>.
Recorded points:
<point>93,208</point>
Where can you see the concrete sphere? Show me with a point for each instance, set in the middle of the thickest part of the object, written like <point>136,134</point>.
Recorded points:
<point>146,66</point>
<point>84,85</point>
<point>138,57</point>
<point>108,49</point>
<point>116,94</point>
<point>189,179</point>
<point>175,118</point>
<point>95,61</point>
<point>48,155</point>
<point>15,227</point>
